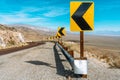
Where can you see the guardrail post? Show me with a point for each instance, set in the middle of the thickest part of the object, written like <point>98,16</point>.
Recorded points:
<point>80,67</point>
<point>71,53</point>
<point>66,48</point>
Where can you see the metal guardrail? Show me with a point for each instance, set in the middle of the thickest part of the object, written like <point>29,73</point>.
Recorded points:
<point>67,55</point>
<point>79,66</point>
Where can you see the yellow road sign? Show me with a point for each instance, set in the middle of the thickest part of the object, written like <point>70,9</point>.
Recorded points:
<point>81,16</point>
<point>58,35</point>
<point>61,31</point>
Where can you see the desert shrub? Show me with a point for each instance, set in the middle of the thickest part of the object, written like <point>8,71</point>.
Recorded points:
<point>105,55</point>
<point>11,42</point>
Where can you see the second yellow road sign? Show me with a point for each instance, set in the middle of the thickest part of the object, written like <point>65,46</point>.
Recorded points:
<point>61,31</point>
<point>81,16</point>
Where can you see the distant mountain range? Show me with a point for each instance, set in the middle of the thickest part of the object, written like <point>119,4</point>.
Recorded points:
<point>49,30</point>
<point>104,33</point>
<point>31,27</point>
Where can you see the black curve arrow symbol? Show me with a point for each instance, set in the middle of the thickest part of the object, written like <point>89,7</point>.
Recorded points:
<point>60,31</point>
<point>77,16</point>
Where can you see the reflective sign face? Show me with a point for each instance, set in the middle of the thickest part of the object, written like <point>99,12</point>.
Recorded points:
<point>58,35</point>
<point>81,16</point>
<point>61,31</point>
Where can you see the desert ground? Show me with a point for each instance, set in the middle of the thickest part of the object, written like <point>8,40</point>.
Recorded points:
<point>104,48</point>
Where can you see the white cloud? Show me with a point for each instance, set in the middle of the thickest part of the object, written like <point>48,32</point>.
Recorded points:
<point>56,12</point>
<point>31,9</point>
<point>25,16</point>
<point>18,17</point>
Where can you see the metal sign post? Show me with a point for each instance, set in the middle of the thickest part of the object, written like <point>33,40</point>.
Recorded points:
<point>81,45</point>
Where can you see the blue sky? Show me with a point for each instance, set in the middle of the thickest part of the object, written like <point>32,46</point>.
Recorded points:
<point>54,13</point>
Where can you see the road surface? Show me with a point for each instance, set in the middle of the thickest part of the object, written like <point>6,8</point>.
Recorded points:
<point>46,62</point>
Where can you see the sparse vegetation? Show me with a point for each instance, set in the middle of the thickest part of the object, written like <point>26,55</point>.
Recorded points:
<point>108,56</point>
<point>11,42</point>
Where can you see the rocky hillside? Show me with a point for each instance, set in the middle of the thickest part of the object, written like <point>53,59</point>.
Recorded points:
<point>15,34</point>
<point>10,36</point>
<point>31,34</point>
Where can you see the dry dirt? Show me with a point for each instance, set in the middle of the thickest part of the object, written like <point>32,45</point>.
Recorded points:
<point>103,48</point>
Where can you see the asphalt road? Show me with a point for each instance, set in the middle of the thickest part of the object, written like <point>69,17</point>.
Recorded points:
<point>46,62</point>
<point>43,62</point>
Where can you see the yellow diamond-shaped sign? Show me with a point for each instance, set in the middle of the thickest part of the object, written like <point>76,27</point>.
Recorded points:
<point>61,31</point>
<point>81,16</point>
